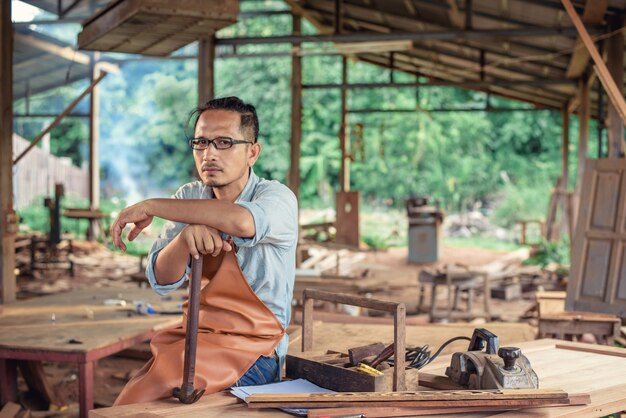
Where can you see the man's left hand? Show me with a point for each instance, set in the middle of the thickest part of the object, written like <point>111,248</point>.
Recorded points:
<point>138,215</point>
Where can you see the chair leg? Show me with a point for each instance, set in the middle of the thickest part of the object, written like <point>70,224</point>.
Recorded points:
<point>433,299</point>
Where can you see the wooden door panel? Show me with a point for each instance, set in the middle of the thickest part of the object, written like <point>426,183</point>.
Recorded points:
<point>606,200</point>
<point>598,268</point>
<point>620,295</point>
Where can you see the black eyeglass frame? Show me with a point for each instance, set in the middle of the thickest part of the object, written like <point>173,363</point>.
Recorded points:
<point>229,140</point>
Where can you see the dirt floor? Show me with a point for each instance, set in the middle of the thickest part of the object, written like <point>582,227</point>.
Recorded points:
<point>96,267</point>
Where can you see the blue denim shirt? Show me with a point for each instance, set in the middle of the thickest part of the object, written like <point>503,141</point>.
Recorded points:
<point>267,260</point>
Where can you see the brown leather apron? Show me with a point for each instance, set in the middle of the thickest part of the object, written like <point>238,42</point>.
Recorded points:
<point>235,329</point>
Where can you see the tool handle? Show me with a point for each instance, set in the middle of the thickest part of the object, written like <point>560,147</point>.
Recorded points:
<point>480,337</point>
<point>191,335</point>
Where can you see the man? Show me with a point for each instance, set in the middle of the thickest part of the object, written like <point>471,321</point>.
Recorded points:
<point>229,209</point>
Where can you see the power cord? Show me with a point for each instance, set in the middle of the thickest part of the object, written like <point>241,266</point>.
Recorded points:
<point>418,357</point>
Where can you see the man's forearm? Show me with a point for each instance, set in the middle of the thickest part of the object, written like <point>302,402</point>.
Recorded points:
<point>224,216</point>
<point>171,263</point>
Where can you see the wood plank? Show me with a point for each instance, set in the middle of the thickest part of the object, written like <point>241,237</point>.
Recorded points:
<point>296,111</point>
<point>442,395</point>
<point>519,403</point>
<point>613,91</point>
<point>79,316</point>
<point>8,223</point>
<point>383,412</point>
<point>10,410</point>
<point>615,64</point>
<point>593,15</point>
<point>155,27</point>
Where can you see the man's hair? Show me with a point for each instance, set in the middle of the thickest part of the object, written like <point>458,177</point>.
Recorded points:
<point>249,124</point>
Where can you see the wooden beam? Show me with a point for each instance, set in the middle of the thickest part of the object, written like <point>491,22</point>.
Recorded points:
<point>575,101</point>
<point>296,112</point>
<point>583,146</point>
<point>344,175</point>
<point>565,146</point>
<point>338,16</point>
<point>206,65</point>
<point>614,93</point>
<point>454,15</point>
<point>61,51</point>
<point>450,35</point>
<point>615,64</point>
<point>60,117</point>
<point>8,224</point>
<point>593,14</point>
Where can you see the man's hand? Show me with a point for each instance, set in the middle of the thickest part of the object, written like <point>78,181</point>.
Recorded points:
<point>138,215</point>
<point>202,239</point>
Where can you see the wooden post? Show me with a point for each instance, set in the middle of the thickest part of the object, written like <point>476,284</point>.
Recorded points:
<point>615,124</point>
<point>8,225</point>
<point>206,62</point>
<point>583,146</point>
<point>344,175</point>
<point>338,23</point>
<point>601,121</point>
<point>296,111</point>
<point>565,145</point>
<point>94,143</point>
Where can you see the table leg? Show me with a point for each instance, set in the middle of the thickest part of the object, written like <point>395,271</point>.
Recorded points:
<point>8,381</point>
<point>85,388</point>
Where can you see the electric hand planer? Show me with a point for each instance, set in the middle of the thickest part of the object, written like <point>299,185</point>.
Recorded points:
<point>494,368</point>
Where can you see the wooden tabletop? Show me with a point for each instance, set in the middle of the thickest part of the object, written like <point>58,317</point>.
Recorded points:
<point>82,322</point>
<point>573,367</point>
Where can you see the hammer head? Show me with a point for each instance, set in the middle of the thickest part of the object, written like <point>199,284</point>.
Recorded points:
<point>188,394</point>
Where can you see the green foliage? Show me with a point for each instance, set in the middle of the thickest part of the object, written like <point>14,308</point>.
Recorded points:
<point>548,252</point>
<point>502,161</point>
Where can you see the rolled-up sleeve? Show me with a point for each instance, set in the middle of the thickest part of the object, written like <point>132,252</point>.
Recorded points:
<point>275,213</point>
<point>168,233</point>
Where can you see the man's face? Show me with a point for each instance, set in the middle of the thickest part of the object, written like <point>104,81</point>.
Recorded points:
<point>219,168</point>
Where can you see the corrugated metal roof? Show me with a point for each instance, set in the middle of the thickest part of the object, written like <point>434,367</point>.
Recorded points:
<point>41,63</point>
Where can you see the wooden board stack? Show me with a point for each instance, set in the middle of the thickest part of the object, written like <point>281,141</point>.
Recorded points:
<point>417,403</point>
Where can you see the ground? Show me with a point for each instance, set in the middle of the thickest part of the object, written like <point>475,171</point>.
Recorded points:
<point>96,266</point>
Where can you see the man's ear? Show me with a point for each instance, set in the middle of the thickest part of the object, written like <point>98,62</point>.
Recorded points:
<point>253,153</point>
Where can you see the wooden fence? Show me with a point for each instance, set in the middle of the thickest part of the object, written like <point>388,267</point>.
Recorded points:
<point>36,174</point>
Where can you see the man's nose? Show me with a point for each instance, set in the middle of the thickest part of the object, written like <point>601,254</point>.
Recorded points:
<point>209,152</point>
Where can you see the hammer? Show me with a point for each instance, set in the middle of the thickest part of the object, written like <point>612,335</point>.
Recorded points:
<point>186,393</point>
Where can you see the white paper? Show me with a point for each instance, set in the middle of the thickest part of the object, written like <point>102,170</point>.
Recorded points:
<point>285,387</point>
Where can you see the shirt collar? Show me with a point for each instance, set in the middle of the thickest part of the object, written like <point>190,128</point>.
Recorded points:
<point>248,191</point>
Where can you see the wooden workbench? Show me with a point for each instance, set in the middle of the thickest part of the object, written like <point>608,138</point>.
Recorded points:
<point>83,331</point>
<point>574,367</point>
<point>340,337</point>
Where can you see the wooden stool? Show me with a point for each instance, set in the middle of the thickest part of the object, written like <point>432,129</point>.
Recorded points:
<point>457,280</point>
<point>567,325</point>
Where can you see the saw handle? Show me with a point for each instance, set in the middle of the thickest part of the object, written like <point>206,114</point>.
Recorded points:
<point>482,336</point>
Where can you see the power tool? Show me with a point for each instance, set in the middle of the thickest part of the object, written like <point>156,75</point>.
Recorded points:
<point>495,368</point>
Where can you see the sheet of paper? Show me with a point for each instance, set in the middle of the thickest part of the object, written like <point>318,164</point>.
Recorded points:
<point>287,386</point>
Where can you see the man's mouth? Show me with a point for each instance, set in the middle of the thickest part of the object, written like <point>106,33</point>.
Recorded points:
<point>211,169</point>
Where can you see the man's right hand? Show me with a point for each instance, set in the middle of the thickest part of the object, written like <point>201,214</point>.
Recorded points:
<point>202,239</point>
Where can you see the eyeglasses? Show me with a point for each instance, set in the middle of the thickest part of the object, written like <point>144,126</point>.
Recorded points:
<point>221,143</point>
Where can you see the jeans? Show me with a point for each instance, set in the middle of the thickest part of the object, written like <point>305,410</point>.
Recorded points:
<point>263,371</point>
